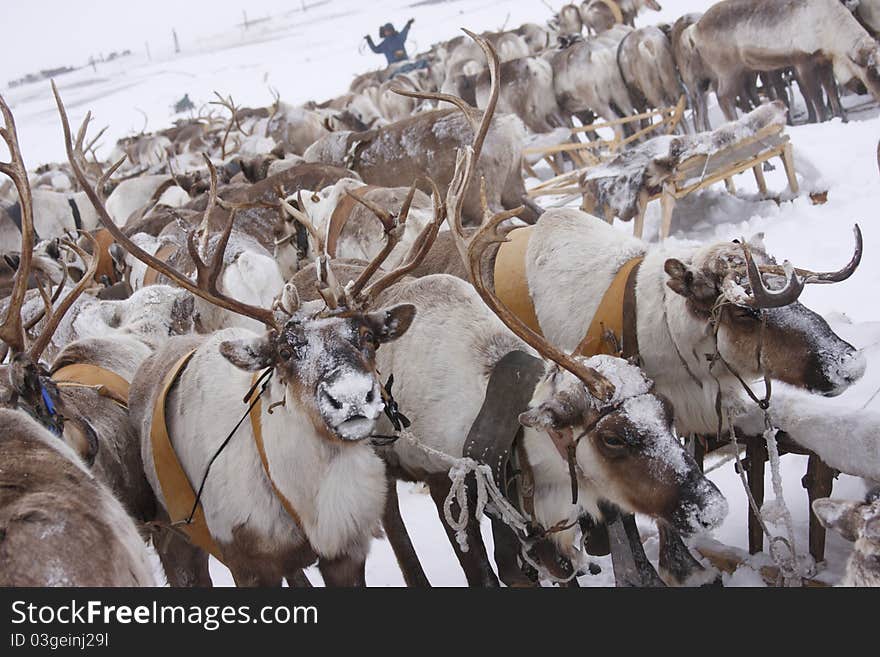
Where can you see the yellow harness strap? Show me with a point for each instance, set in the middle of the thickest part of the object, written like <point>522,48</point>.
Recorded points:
<point>152,275</point>
<point>340,215</point>
<point>511,284</point>
<point>512,289</point>
<point>615,9</point>
<point>257,428</point>
<point>109,384</point>
<point>176,487</point>
<point>608,317</point>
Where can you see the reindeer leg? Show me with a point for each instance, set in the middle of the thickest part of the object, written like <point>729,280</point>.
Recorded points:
<point>829,84</point>
<point>401,544</point>
<point>631,564</point>
<point>678,567</point>
<point>507,551</point>
<point>185,564</point>
<point>297,579</point>
<point>344,571</point>
<point>474,562</point>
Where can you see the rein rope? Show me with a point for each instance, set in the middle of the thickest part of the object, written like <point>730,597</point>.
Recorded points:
<point>783,550</point>
<point>487,493</point>
<point>262,382</point>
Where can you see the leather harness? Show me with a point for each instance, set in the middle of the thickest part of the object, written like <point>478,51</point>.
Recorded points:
<point>85,375</point>
<point>164,252</point>
<point>615,9</point>
<point>341,214</point>
<point>178,491</point>
<point>615,315</point>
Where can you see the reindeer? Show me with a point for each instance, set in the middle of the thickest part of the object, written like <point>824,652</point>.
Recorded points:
<point>586,79</point>
<point>471,357</point>
<point>339,218</point>
<point>424,146</point>
<point>568,20</point>
<point>688,307</point>
<point>695,75</point>
<point>599,16</point>
<point>631,8</point>
<point>527,91</point>
<point>818,38</point>
<point>859,523</point>
<point>648,69</point>
<point>867,12</point>
<point>310,485</point>
<point>60,526</point>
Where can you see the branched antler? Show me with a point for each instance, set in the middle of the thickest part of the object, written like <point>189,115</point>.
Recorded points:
<point>205,285</point>
<point>475,249</point>
<point>12,332</point>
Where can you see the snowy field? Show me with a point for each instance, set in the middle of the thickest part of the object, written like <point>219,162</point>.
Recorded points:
<point>313,55</point>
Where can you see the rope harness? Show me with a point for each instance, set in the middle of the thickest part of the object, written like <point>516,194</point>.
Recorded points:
<point>783,549</point>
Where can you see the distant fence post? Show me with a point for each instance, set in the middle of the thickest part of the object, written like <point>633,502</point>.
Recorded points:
<point>176,42</point>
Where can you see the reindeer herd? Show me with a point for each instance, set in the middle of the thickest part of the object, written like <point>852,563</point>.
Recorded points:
<point>237,338</point>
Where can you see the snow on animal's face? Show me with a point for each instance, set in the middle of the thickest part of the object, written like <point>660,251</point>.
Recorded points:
<point>791,343</point>
<point>625,449</point>
<point>328,366</point>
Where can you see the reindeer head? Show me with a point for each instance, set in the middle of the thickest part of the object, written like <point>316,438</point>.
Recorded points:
<point>327,364</point>
<point>864,62</point>
<point>858,522</point>
<point>760,331</point>
<point>625,447</point>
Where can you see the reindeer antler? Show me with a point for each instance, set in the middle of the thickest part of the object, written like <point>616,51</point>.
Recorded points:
<point>11,331</point>
<point>359,294</point>
<point>205,285</point>
<point>796,279</point>
<point>473,250</point>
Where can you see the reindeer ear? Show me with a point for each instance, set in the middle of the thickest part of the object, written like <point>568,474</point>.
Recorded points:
<point>680,277</point>
<point>842,517</point>
<point>391,323</point>
<point>249,354</point>
<point>81,438</point>
<point>690,284</point>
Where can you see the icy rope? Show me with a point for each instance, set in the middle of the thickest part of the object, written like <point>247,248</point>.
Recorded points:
<point>487,492</point>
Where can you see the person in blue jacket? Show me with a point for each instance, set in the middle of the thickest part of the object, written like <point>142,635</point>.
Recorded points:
<point>392,42</point>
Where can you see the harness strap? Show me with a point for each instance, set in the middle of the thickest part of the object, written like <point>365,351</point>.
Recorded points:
<point>151,275</point>
<point>85,375</point>
<point>105,260</point>
<point>74,210</point>
<point>180,498</point>
<point>257,428</point>
<point>339,217</point>
<point>511,282</point>
<point>14,212</point>
<point>611,315</point>
<point>615,10</point>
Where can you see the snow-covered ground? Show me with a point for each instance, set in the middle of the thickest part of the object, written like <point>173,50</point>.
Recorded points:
<point>313,55</point>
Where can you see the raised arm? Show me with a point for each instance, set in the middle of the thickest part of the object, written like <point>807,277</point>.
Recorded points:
<point>405,31</point>
<point>372,45</point>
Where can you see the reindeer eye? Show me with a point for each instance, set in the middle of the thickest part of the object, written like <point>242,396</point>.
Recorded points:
<point>611,441</point>
<point>285,353</point>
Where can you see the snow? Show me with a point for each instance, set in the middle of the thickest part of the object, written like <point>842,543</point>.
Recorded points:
<point>314,55</point>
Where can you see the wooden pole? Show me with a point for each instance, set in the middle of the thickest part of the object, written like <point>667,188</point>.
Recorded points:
<point>756,454</point>
<point>818,481</point>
